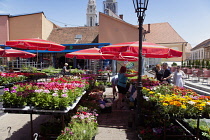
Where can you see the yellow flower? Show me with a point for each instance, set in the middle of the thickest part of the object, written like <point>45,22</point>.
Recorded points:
<point>151,92</point>
<point>165,104</point>
<point>183,106</point>
<point>203,104</point>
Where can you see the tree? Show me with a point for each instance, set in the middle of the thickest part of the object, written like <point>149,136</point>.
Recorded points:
<point>203,63</point>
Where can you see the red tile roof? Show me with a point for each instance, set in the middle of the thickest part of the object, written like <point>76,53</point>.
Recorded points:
<point>66,35</point>
<point>162,33</point>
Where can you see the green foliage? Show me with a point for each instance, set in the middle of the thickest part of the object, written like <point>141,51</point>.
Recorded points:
<point>83,126</point>
<point>11,78</point>
<point>184,64</point>
<point>25,68</point>
<point>51,70</point>
<point>174,64</point>
<point>197,63</point>
<point>77,71</point>
<point>204,126</point>
<point>203,63</point>
<point>207,64</point>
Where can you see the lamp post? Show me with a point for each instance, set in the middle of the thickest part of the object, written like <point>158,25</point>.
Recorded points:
<point>140,7</point>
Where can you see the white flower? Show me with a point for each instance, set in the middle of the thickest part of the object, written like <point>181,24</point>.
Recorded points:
<point>146,98</point>
<point>208,103</point>
<point>55,94</point>
<point>191,102</point>
<point>39,90</point>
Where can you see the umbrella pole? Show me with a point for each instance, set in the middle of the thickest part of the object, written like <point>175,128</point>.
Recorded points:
<point>37,58</point>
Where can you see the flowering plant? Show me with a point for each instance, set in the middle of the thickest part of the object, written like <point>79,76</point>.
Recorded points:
<point>56,95</point>
<point>83,126</point>
<point>14,98</point>
<point>6,78</point>
<point>177,101</point>
<point>104,71</point>
<point>44,95</point>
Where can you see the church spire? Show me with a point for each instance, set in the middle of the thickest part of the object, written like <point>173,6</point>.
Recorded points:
<point>91,13</point>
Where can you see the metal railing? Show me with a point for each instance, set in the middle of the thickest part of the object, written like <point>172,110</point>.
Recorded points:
<point>19,64</point>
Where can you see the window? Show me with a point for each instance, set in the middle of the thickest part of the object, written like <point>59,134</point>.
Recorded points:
<point>91,21</point>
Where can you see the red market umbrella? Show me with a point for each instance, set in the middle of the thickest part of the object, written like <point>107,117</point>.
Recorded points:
<point>35,44</point>
<point>15,53</point>
<point>149,50</point>
<point>95,53</point>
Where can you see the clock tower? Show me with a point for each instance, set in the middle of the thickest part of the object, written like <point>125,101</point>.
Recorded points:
<point>91,13</point>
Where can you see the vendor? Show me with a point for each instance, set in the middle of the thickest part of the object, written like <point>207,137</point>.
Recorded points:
<point>65,70</point>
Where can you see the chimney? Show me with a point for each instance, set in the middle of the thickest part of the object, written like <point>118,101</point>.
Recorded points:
<point>121,16</point>
<point>148,28</point>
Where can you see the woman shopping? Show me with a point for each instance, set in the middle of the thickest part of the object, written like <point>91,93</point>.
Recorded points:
<point>178,77</point>
<point>121,85</point>
<point>158,73</point>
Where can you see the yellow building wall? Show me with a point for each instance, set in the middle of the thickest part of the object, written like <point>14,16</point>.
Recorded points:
<point>47,27</point>
<point>26,26</point>
<point>114,30</point>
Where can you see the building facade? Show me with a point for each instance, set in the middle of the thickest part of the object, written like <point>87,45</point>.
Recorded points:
<point>110,30</point>
<point>201,51</point>
<point>4,28</point>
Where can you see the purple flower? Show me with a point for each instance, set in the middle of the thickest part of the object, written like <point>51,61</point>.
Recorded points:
<point>64,95</point>
<point>14,87</point>
<point>6,89</point>
<point>13,91</point>
<point>55,94</point>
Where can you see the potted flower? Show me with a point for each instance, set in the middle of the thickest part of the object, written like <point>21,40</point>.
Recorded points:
<point>83,126</point>
<point>13,98</point>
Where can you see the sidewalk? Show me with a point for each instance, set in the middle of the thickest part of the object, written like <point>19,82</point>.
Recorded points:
<point>20,126</point>
<point>115,125</point>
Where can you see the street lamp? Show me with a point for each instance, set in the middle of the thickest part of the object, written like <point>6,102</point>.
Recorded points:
<point>140,7</point>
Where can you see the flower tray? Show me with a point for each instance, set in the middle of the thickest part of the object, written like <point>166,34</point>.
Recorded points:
<point>33,110</point>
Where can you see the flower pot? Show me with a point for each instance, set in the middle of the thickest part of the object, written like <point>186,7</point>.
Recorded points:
<point>6,105</point>
<point>93,138</point>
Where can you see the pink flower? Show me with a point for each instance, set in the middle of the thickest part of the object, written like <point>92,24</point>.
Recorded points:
<point>6,89</point>
<point>64,95</point>
<point>55,94</point>
<point>14,87</point>
<point>13,91</point>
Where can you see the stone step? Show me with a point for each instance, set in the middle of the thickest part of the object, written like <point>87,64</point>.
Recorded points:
<point>201,92</point>
<point>197,85</point>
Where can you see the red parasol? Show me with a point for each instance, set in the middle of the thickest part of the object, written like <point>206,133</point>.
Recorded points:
<point>149,50</point>
<point>15,53</point>
<point>95,53</point>
<point>35,44</point>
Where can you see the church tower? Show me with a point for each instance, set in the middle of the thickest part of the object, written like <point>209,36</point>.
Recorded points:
<point>91,13</point>
<point>110,5</point>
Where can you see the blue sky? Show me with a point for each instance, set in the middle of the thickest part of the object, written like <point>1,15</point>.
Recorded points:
<point>190,18</point>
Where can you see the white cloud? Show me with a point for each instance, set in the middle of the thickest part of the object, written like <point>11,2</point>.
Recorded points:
<point>3,12</point>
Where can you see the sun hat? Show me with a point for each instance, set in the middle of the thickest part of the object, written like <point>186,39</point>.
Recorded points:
<point>66,64</point>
